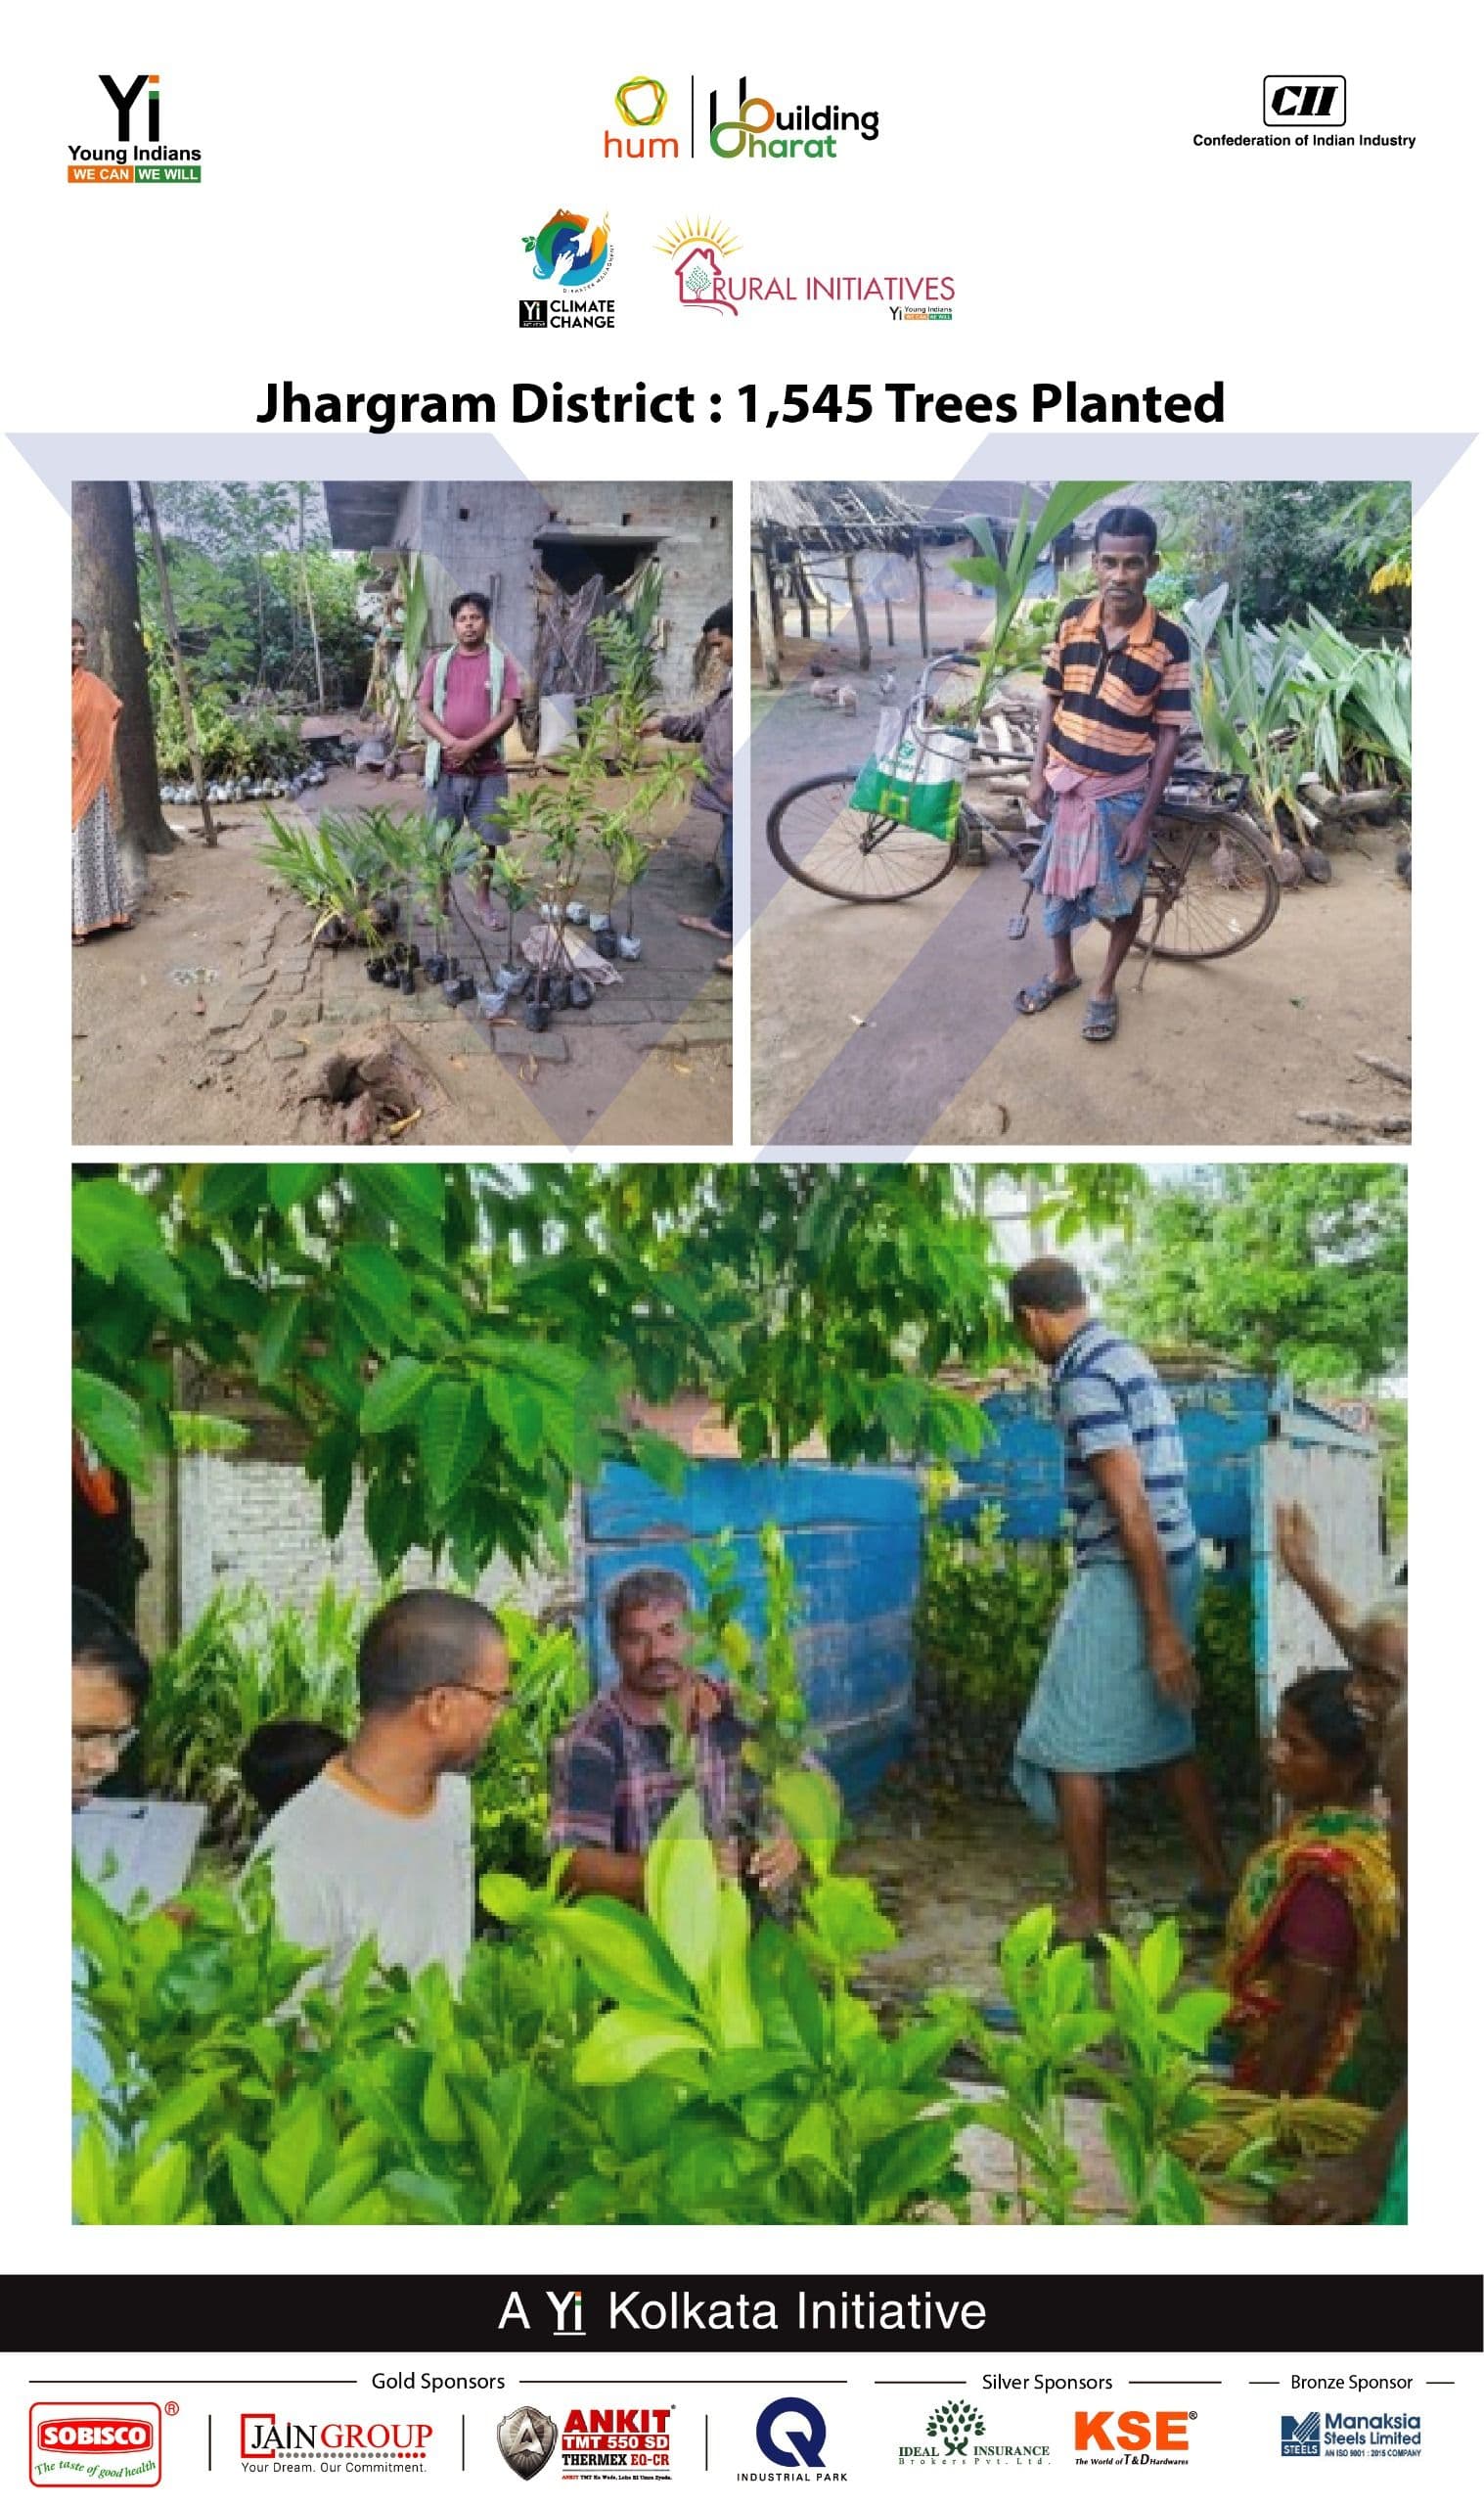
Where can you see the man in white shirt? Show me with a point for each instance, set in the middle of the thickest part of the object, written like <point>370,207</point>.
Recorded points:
<point>380,1845</point>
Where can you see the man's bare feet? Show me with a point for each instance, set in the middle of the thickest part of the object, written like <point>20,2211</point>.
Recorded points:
<point>723,966</point>
<point>699,922</point>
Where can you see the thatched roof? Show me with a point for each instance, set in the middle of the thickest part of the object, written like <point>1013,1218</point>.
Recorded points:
<point>815,514</point>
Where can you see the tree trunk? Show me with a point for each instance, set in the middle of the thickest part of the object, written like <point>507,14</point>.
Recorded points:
<point>105,597</point>
<point>858,607</point>
<point>314,630</point>
<point>922,599</point>
<point>767,634</point>
<point>177,656</point>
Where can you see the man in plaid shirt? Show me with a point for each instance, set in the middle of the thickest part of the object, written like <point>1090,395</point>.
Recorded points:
<point>613,1774</point>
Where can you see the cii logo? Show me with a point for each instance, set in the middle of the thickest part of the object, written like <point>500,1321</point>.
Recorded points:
<point>640,103</point>
<point>1289,98</point>
<point>1301,2436</point>
<point>126,98</point>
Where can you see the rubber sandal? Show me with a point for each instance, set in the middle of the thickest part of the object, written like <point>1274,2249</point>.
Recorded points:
<point>1033,998</point>
<point>1100,1025</point>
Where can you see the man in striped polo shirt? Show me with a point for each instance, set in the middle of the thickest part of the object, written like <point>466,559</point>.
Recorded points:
<point>1117,1686</point>
<point>1115,698</point>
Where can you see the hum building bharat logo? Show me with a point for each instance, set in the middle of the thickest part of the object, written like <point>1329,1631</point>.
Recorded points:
<point>136,154</point>
<point>642,104</point>
<point>765,131</point>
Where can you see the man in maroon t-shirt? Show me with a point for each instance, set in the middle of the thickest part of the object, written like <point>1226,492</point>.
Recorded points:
<point>472,784</point>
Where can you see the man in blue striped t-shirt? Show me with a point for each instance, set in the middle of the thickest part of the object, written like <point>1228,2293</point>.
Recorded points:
<point>1118,1685</point>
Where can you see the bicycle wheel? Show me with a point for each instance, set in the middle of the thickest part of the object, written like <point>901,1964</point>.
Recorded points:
<point>1221,884</point>
<point>821,840</point>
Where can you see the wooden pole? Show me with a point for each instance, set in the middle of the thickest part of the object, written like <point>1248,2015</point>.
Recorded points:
<point>858,610</point>
<point>177,656</point>
<point>801,595</point>
<point>767,634</point>
<point>776,597</point>
<point>923,600</point>
<point>890,629</point>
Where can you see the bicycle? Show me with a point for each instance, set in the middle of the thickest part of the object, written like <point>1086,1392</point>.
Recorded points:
<point>1211,878</point>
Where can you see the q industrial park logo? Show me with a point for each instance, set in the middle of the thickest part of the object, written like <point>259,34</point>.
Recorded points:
<point>136,154</point>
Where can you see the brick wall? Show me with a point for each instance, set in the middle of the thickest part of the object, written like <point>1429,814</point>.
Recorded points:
<point>478,537</point>
<point>251,1520</point>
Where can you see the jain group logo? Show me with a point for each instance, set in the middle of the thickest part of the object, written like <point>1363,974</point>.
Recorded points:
<point>92,2444</point>
<point>1288,99</point>
<point>136,153</point>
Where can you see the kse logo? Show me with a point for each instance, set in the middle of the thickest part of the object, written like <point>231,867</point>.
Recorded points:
<point>1288,97</point>
<point>1133,2430</point>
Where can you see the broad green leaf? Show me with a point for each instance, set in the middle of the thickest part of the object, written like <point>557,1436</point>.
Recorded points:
<point>1194,2019</point>
<point>1159,1959</point>
<point>289,1185</point>
<point>114,1423</point>
<point>626,2041</point>
<point>393,1392</point>
<point>338,2193</point>
<point>508,1899</point>
<point>109,1219</point>
<point>453,1431</point>
<point>809,1804</point>
<point>683,1886</point>
<point>378,1288</point>
<point>623,1953</point>
<point>159,2194</point>
<point>288,2158</point>
<point>812,2140</point>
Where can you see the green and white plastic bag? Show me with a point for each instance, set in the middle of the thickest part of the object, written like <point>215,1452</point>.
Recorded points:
<point>915,777</point>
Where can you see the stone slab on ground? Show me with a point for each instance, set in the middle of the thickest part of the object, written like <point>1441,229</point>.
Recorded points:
<point>521,1043</point>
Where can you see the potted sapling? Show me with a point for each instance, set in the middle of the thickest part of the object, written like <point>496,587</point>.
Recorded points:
<point>631,857</point>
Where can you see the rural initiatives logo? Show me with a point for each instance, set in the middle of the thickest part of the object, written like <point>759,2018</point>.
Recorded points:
<point>136,154</point>
<point>573,253</point>
<point>697,248</point>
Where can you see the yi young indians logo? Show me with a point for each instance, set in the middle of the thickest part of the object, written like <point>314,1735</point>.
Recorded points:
<point>134,151</point>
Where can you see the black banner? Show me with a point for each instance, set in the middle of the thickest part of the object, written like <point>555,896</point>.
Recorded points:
<point>1113,2315</point>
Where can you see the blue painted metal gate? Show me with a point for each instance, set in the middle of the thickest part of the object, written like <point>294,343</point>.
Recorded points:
<point>854,1540</point>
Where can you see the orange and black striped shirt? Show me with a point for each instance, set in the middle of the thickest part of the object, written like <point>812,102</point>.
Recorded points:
<point>1112,703</point>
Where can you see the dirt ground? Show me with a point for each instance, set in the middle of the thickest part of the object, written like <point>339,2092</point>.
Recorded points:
<point>201,1026</point>
<point>893,1025</point>
<point>953,1883</point>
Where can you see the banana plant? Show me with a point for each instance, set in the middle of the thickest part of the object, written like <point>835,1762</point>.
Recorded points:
<point>1010,577</point>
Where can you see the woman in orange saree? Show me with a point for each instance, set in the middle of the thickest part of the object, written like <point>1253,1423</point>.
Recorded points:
<point>98,899</point>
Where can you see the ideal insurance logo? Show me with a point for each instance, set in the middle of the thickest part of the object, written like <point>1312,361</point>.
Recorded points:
<point>759,132</point>
<point>136,154</point>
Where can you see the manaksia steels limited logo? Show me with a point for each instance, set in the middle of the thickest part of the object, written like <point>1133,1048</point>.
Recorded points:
<point>91,2444</point>
<point>130,158</point>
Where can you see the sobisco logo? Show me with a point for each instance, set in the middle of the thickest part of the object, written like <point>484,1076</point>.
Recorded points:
<point>765,131</point>
<point>92,2444</point>
<point>130,158</point>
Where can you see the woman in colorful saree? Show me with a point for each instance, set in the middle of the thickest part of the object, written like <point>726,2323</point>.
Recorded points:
<point>1316,1909</point>
<point>99,900</point>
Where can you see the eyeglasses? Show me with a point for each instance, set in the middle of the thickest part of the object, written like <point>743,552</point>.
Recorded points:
<point>114,1744</point>
<point>498,1697</point>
